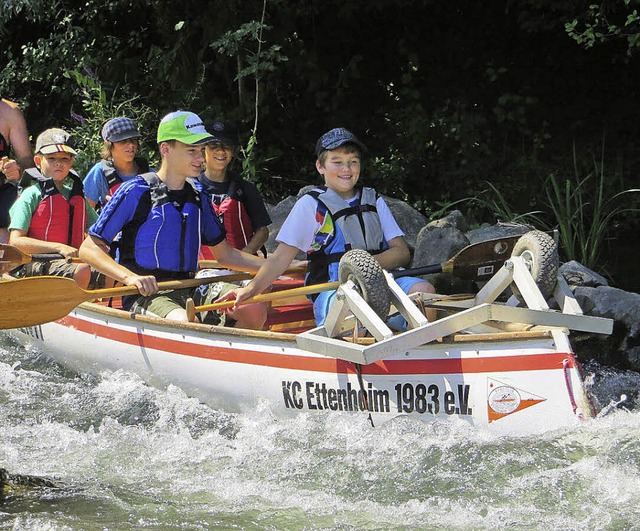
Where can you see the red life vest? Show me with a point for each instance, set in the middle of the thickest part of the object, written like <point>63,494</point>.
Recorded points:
<point>57,219</point>
<point>235,218</point>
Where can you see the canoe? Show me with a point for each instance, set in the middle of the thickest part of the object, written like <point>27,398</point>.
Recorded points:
<point>507,367</point>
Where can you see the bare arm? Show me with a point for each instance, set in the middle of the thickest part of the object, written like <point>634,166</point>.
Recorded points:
<point>273,267</point>
<point>30,245</point>
<point>232,258</point>
<point>397,255</point>
<point>95,253</point>
<point>259,238</point>
<point>19,138</point>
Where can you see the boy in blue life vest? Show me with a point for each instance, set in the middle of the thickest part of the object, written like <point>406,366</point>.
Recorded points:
<point>332,218</point>
<point>51,215</point>
<point>237,202</point>
<point>163,219</point>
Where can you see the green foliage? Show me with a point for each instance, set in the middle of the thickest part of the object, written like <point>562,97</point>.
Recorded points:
<point>99,107</point>
<point>609,20</point>
<point>242,43</point>
<point>388,173</point>
<point>586,211</point>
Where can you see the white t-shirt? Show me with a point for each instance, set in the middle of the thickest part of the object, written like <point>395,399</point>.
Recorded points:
<point>302,225</point>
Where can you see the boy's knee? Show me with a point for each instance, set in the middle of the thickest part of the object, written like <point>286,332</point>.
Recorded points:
<point>424,287</point>
<point>82,276</point>
<point>251,316</point>
<point>179,314</point>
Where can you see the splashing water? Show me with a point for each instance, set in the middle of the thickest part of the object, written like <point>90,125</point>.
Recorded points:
<point>129,456</point>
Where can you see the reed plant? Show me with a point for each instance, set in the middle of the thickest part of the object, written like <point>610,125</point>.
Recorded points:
<point>499,206</point>
<point>586,210</point>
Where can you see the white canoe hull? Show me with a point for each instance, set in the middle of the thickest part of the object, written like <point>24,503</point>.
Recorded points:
<point>518,384</point>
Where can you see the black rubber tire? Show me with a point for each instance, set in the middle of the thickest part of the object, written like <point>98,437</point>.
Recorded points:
<point>367,274</point>
<point>540,253</point>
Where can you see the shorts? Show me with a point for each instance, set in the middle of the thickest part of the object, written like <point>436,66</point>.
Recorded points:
<point>323,301</point>
<point>56,268</point>
<point>162,303</point>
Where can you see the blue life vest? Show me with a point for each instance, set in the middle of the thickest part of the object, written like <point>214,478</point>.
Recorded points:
<point>162,239</point>
<point>356,226</point>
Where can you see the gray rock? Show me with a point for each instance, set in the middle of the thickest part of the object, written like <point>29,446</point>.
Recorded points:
<point>435,245</point>
<point>278,214</point>
<point>499,230</point>
<point>408,218</point>
<point>578,275</point>
<point>455,219</point>
<point>622,348</point>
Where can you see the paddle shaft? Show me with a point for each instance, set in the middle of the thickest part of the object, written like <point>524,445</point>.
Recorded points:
<point>474,261</point>
<point>309,290</point>
<point>276,295</point>
<point>178,284</point>
<point>13,257</point>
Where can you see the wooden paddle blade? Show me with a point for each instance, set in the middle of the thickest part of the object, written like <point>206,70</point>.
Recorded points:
<point>37,300</point>
<point>11,257</point>
<point>481,260</point>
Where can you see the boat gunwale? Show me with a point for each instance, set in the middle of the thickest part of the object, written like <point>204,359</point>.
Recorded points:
<point>499,335</point>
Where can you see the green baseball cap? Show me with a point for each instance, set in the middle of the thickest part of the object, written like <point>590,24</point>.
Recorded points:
<point>183,126</point>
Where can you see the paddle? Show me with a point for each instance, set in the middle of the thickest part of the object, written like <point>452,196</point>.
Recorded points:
<point>473,262</point>
<point>13,257</point>
<point>264,297</point>
<point>37,300</point>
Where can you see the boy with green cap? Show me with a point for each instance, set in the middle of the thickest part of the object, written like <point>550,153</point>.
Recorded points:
<point>163,219</point>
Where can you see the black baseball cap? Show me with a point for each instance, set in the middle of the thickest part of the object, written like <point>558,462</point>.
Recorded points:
<point>222,132</point>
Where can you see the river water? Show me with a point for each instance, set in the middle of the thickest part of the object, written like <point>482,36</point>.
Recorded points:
<point>128,456</point>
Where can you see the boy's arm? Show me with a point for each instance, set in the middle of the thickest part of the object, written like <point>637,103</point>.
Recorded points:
<point>397,255</point>
<point>94,185</point>
<point>30,245</point>
<point>94,252</point>
<point>272,268</point>
<point>10,169</point>
<point>257,241</point>
<point>232,258</point>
